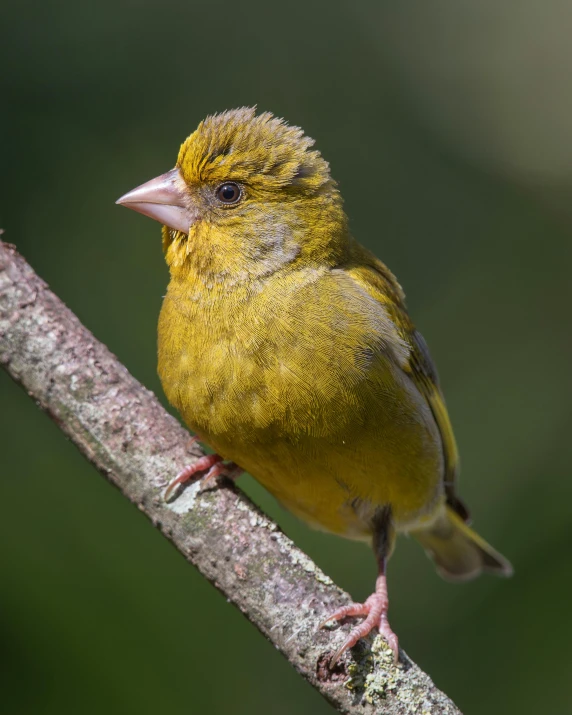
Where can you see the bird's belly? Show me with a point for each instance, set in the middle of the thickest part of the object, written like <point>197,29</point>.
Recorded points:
<point>339,486</point>
<point>335,480</point>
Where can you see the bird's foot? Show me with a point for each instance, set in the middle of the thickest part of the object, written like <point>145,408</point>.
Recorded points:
<point>375,612</point>
<point>206,468</point>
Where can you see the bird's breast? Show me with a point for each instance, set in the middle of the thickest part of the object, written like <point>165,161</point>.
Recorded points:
<point>299,390</point>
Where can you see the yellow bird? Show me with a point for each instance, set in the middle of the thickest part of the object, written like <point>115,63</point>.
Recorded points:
<point>286,347</point>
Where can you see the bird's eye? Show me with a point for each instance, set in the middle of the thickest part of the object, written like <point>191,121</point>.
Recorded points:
<point>228,193</point>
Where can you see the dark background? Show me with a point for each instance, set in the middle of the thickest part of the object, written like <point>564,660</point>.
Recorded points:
<point>449,129</point>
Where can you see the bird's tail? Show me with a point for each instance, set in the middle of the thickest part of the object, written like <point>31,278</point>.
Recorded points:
<point>459,553</point>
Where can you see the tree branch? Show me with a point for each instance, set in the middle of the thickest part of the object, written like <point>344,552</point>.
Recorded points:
<point>124,432</point>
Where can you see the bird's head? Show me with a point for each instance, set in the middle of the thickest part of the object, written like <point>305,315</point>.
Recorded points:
<point>247,196</point>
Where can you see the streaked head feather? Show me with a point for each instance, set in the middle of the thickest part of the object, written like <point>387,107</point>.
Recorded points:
<point>262,151</point>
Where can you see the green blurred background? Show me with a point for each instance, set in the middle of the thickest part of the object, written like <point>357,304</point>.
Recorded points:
<point>449,129</point>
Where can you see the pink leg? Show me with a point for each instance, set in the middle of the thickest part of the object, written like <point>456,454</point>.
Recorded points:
<point>375,610</point>
<point>212,464</point>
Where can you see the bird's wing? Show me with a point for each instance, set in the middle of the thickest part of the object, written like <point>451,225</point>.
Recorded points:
<point>382,285</point>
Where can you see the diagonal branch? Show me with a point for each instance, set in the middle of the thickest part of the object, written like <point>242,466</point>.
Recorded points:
<point>124,432</point>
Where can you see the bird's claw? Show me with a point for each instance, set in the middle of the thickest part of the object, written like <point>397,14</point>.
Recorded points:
<point>375,611</point>
<point>210,463</point>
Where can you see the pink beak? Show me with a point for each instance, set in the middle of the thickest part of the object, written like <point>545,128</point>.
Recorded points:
<point>165,199</point>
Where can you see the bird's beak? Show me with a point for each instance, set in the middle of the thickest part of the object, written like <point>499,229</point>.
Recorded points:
<point>164,199</point>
